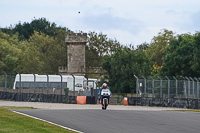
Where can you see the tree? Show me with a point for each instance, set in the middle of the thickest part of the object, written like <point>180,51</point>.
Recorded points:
<point>143,47</point>
<point>43,54</point>
<point>9,52</point>
<point>92,58</point>
<point>26,29</point>
<point>182,58</point>
<point>158,46</point>
<point>121,67</point>
<point>99,45</point>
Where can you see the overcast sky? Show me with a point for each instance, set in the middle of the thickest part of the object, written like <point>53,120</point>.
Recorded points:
<point>129,21</point>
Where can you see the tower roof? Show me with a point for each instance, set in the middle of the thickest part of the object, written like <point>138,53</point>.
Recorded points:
<point>76,37</point>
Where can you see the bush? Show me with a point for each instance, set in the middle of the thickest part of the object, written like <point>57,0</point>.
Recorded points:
<point>66,90</point>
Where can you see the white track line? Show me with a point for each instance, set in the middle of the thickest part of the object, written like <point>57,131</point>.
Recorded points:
<point>48,122</point>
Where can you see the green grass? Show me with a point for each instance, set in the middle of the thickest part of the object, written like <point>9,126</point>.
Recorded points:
<point>189,110</point>
<point>11,122</point>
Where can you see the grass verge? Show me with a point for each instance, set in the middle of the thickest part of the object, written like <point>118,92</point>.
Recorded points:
<point>11,122</point>
<point>189,110</point>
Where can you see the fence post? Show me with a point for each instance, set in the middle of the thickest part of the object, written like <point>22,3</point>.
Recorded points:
<point>152,86</point>
<point>73,85</point>
<point>19,83</point>
<point>19,86</point>
<point>160,86</point>
<point>145,86</point>
<point>86,76</point>
<point>34,82</point>
<point>176,86</point>
<point>199,80</point>
<point>47,84</point>
<point>168,85</point>
<point>184,86</point>
<point>192,87</point>
<point>188,86</point>
<point>197,87</point>
<point>61,84</point>
<point>137,84</point>
<point>5,89</point>
<point>92,90</point>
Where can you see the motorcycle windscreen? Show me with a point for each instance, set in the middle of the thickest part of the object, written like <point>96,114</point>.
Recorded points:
<point>105,92</point>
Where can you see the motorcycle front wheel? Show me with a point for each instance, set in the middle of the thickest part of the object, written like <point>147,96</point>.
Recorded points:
<point>105,104</point>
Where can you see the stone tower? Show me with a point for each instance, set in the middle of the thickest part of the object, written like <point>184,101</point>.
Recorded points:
<point>75,54</point>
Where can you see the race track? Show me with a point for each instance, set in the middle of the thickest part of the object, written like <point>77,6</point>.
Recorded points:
<point>121,121</point>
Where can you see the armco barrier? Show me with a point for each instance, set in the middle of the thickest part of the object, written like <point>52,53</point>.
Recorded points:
<point>52,98</point>
<point>69,99</point>
<point>90,100</point>
<point>165,102</point>
<point>86,100</point>
<point>162,102</point>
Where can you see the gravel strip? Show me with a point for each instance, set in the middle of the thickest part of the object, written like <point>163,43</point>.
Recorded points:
<point>41,105</point>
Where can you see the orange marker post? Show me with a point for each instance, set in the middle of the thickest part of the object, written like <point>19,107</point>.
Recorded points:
<point>125,101</point>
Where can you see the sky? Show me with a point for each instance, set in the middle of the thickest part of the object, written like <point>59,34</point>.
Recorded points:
<point>128,21</point>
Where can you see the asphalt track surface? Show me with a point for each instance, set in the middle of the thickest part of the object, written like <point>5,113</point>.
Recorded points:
<point>121,121</point>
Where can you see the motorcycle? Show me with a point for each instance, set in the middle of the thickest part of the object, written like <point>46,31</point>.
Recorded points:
<point>105,96</point>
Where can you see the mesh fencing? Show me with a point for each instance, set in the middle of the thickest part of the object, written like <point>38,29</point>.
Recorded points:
<point>146,87</point>
<point>10,83</point>
<point>168,88</point>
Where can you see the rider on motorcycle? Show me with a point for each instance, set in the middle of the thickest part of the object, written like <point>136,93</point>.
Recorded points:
<point>104,86</point>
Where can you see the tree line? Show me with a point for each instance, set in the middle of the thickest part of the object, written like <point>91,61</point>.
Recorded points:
<point>166,55</point>
<point>39,47</point>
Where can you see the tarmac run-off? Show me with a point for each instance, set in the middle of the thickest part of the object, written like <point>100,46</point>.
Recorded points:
<point>41,105</point>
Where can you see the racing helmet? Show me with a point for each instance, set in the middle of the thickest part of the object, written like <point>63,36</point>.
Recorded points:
<point>104,85</point>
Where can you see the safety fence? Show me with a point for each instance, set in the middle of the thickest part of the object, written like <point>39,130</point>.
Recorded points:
<point>15,84</point>
<point>187,103</point>
<point>47,84</point>
<point>47,88</point>
<point>52,98</point>
<point>167,87</point>
<point>166,91</point>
